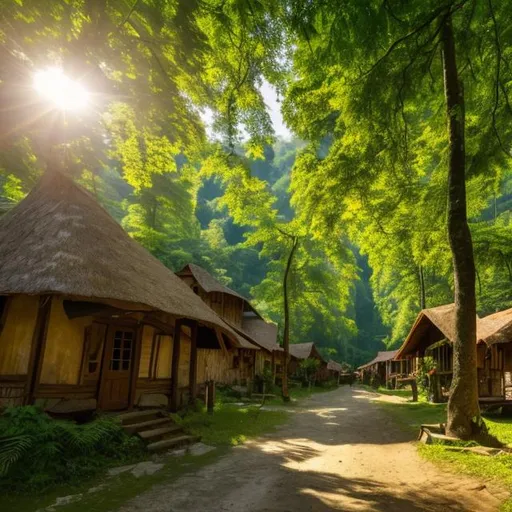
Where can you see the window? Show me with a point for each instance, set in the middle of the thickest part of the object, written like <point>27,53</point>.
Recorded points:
<point>93,348</point>
<point>122,351</point>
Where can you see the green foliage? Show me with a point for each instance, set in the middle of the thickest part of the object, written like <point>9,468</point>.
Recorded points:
<point>37,452</point>
<point>308,368</point>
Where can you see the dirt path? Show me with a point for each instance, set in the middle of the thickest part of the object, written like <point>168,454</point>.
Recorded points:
<point>338,452</point>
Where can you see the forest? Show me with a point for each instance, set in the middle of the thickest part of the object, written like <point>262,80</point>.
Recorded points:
<point>360,188</point>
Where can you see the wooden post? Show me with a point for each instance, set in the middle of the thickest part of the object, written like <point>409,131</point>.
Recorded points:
<point>192,375</point>
<point>176,346</point>
<point>414,388</point>
<point>210,396</point>
<point>38,346</point>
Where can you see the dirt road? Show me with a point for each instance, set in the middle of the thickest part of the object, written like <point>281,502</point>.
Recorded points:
<point>338,452</point>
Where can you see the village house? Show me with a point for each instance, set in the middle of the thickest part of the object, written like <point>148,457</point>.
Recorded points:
<point>302,351</point>
<point>88,318</point>
<point>432,336</point>
<point>335,370</point>
<point>246,362</point>
<point>384,370</point>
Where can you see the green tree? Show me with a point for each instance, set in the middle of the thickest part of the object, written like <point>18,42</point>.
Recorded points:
<point>380,101</point>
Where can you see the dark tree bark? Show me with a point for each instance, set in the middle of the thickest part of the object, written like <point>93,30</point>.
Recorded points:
<point>463,409</point>
<point>286,333</point>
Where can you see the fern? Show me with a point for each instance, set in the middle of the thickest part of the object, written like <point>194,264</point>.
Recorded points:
<point>37,451</point>
<point>12,449</point>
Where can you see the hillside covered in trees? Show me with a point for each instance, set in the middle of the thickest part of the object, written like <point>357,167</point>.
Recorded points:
<point>364,206</point>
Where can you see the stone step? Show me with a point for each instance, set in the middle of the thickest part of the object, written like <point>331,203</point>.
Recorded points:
<point>157,434</point>
<point>134,428</point>
<point>172,442</point>
<point>129,418</point>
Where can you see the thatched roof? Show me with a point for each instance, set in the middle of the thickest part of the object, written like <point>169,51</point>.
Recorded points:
<point>435,324</point>
<point>496,328</point>
<point>59,240</point>
<point>206,281</point>
<point>334,366</point>
<point>431,325</point>
<point>263,333</point>
<point>305,351</point>
<point>381,357</point>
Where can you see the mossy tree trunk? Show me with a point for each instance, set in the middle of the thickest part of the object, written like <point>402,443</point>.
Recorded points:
<point>286,332</point>
<point>463,410</point>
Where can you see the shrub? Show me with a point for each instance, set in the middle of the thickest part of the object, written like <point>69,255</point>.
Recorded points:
<point>37,451</point>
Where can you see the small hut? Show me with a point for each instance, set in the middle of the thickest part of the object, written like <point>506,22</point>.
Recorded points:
<point>432,336</point>
<point>378,370</point>
<point>265,335</point>
<point>335,370</point>
<point>88,318</point>
<point>494,357</point>
<point>248,360</point>
<point>302,351</point>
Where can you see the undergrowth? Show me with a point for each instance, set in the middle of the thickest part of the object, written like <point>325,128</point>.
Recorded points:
<point>38,452</point>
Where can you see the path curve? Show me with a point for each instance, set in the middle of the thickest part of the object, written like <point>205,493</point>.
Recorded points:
<point>339,451</point>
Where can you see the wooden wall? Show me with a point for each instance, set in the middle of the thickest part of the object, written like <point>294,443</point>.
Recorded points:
<point>16,335</point>
<point>63,352</point>
<point>262,357</point>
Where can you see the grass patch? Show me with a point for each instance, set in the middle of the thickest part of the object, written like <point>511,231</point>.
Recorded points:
<point>404,393</point>
<point>230,425</point>
<point>498,469</point>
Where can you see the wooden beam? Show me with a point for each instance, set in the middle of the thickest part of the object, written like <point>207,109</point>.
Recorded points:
<point>192,375</point>
<point>176,346</point>
<point>220,339</point>
<point>38,346</point>
<point>134,375</point>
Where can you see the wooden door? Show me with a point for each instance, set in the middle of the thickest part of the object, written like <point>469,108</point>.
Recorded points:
<point>117,368</point>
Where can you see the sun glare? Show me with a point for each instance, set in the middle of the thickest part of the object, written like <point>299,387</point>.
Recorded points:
<point>66,94</point>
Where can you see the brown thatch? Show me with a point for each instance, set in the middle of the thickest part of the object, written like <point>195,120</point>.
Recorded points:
<point>305,351</point>
<point>206,281</point>
<point>381,357</point>
<point>496,328</point>
<point>263,333</point>
<point>334,366</point>
<point>59,240</point>
<point>431,325</point>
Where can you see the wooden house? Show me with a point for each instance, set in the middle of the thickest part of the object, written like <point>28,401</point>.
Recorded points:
<point>265,335</point>
<point>260,337</point>
<point>88,318</point>
<point>494,356</point>
<point>335,370</point>
<point>301,351</point>
<point>378,370</point>
<point>432,336</point>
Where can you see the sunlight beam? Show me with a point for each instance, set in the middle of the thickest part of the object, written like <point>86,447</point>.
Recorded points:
<point>57,88</point>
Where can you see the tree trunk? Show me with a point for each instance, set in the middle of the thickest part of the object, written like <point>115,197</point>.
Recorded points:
<point>463,410</point>
<point>286,333</point>
<point>423,302</point>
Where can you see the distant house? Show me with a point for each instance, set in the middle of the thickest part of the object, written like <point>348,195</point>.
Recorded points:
<point>260,337</point>
<point>90,319</point>
<point>301,351</point>
<point>335,370</point>
<point>433,333</point>
<point>379,369</point>
<point>265,335</point>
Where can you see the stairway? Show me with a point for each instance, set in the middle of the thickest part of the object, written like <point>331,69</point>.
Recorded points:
<point>156,429</point>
